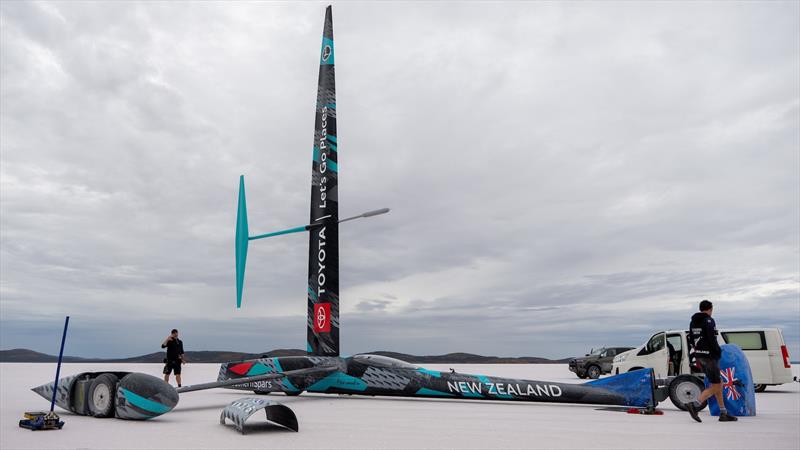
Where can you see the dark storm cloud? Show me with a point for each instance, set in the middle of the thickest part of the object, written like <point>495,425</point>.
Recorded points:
<point>561,176</point>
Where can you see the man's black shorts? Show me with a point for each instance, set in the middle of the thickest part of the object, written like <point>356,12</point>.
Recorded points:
<point>176,366</point>
<point>710,368</point>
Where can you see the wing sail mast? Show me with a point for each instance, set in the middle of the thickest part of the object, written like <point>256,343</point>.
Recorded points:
<point>323,255</point>
<point>323,250</point>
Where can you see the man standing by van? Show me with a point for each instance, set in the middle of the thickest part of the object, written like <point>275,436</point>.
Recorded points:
<point>703,333</point>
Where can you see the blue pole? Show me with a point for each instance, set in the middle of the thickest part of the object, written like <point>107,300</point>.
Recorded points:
<point>58,367</point>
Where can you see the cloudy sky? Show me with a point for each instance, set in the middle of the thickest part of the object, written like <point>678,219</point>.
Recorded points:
<point>561,175</point>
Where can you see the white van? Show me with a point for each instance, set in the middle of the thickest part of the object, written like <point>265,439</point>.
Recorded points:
<point>666,353</point>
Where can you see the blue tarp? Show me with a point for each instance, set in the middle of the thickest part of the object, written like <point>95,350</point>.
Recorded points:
<point>738,390</point>
<point>636,387</point>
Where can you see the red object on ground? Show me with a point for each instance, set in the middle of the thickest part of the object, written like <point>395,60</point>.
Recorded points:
<point>655,412</point>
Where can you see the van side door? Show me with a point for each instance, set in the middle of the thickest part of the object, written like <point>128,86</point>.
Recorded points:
<point>655,354</point>
<point>685,360</point>
<point>675,353</point>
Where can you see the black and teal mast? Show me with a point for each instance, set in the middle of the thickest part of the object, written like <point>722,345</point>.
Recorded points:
<point>323,243</point>
<point>322,291</point>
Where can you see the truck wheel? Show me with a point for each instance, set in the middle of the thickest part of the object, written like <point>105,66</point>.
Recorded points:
<point>685,389</point>
<point>593,372</point>
<point>761,387</point>
<point>101,395</point>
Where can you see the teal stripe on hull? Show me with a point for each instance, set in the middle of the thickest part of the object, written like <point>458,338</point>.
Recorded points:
<point>285,382</point>
<point>144,403</point>
<point>340,381</point>
<point>289,386</point>
<point>433,373</point>
<point>432,393</point>
<point>258,369</point>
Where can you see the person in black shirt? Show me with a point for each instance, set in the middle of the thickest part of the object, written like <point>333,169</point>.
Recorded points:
<point>174,359</point>
<point>703,335</point>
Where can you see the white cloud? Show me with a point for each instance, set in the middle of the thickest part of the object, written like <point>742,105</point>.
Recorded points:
<point>561,175</point>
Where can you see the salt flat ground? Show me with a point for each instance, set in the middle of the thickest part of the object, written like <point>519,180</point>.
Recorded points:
<point>371,422</point>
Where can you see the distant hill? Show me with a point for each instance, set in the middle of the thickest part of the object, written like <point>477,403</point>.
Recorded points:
<point>469,358</point>
<point>23,355</point>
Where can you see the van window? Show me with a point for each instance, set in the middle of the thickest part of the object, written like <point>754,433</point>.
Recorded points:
<point>748,340</point>
<point>655,344</point>
<point>676,342</point>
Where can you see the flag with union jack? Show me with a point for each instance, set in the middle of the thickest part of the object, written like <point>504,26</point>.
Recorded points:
<point>729,383</point>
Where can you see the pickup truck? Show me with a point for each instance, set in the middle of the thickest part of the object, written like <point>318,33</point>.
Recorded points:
<point>596,362</point>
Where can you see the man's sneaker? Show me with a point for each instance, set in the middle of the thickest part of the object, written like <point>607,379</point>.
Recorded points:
<point>725,417</point>
<point>693,411</point>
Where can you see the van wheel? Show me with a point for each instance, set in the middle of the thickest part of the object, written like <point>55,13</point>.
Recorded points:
<point>101,395</point>
<point>685,389</point>
<point>593,372</point>
<point>761,387</point>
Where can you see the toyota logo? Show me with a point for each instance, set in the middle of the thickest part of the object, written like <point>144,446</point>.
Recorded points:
<point>326,52</point>
<point>321,317</point>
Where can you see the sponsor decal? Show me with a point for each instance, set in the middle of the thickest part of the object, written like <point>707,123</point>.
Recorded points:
<point>241,369</point>
<point>323,159</point>
<point>321,255</point>
<point>490,388</point>
<point>322,317</point>
<point>263,384</point>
